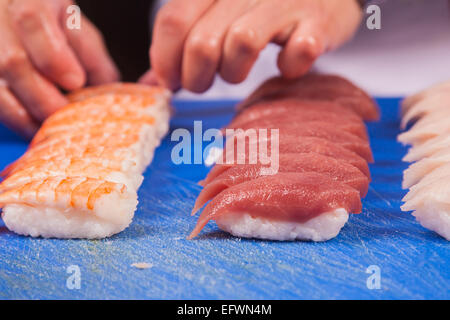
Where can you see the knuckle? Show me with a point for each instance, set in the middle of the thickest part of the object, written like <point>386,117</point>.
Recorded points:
<point>244,40</point>
<point>203,46</point>
<point>48,65</point>
<point>171,20</point>
<point>12,60</point>
<point>23,11</point>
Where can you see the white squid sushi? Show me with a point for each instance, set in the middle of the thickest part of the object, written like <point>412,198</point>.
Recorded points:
<point>410,101</point>
<point>428,178</point>
<point>431,206</point>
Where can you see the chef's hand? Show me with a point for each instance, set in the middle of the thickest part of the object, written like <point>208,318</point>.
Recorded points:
<point>39,55</point>
<point>192,40</point>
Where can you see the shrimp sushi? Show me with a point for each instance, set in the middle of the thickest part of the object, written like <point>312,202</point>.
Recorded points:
<point>73,207</point>
<point>80,175</point>
<point>427,178</point>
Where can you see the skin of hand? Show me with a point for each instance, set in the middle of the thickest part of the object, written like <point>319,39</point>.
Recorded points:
<point>39,55</point>
<point>195,39</point>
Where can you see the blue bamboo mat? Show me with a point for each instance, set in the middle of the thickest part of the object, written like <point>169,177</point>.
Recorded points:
<point>412,261</point>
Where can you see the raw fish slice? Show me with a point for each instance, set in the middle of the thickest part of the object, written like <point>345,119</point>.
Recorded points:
<point>439,115</point>
<point>431,205</point>
<point>71,168</point>
<point>289,197</point>
<point>410,101</point>
<point>427,149</point>
<point>290,162</point>
<point>426,106</point>
<point>288,106</point>
<point>420,169</point>
<point>287,122</point>
<point>68,208</point>
<point>325,131</point>
<point>421,132</point>
<point>431,177</point>
<point>292,144</point>
<point>317,87</point>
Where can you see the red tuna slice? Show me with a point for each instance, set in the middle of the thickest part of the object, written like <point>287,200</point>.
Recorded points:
<point>292,144</point>
<point>289,106</point>
<point>291,197</point>
<point>295,120</point>
<point>318,87</point>
<point>324,130</point>
<point>289,162</point>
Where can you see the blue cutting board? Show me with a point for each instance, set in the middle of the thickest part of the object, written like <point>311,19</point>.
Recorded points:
<point>412,260</point>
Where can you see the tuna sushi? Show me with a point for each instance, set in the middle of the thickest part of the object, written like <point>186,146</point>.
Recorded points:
<point>285,206</point>
<point>322,150</point>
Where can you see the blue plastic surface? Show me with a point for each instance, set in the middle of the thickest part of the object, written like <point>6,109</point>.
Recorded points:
<point>413,261</point>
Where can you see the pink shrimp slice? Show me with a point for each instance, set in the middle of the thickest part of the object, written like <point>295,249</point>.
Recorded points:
<point>116,88</point>
<point>111,153</point>
<point>113,104</point>
<point>65,167</point>
<point>75,192</point>
<point>49,162</point>
<point>92,137</point>
<point>95,126</point>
